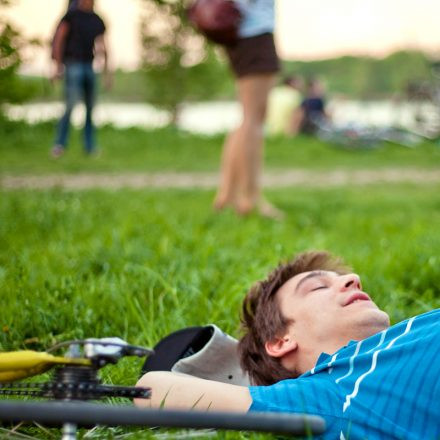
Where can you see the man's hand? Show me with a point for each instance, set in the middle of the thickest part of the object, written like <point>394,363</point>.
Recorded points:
<point>58,47</point>
<point>58,72</point>
<point>101,53</point>
<point>108,80</point>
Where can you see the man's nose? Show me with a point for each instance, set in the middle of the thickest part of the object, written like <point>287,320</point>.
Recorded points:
<point>350,281</point>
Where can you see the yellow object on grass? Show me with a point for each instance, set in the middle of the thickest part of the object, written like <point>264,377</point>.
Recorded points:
<point>16,365</point>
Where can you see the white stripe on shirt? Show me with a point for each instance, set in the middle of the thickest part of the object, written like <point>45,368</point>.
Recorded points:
<point>351,396</point>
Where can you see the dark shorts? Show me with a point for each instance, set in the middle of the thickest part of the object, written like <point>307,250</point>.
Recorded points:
<point>253,55</point>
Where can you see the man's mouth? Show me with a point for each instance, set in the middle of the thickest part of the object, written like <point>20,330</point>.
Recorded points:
<point>357,297</point>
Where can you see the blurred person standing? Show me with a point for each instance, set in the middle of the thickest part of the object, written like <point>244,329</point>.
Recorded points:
<point>254,62</point>
<point>79,37</point>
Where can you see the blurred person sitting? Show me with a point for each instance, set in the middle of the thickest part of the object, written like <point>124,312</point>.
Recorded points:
<point>284,99</point>
<point>312,113</point>
<point>78,39</point>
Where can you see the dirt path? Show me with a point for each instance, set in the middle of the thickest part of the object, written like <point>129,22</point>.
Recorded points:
<point>271,179</point>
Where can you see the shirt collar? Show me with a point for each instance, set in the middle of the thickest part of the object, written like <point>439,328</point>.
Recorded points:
<point>325,357</point>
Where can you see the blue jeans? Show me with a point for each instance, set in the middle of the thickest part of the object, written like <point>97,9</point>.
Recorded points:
<point>79,82</point>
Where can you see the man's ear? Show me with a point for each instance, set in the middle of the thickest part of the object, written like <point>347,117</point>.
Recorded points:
<point>280,346</point>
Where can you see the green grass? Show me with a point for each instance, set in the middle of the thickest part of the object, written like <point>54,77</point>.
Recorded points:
<point>25,150</point>
<point>141,263</point>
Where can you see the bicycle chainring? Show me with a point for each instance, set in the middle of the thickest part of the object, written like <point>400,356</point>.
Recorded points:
<point>73,383</point>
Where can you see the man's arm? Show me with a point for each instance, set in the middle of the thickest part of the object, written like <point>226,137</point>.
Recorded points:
<point>59,42</point>
<point>101,53</point>
<point>175,391</point>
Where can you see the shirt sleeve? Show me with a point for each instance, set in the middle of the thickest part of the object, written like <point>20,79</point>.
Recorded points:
<point>312,395</point>
<point>284,396</point>
<point>101,27</point>
<point>307,395</point>
<point>67,18</point>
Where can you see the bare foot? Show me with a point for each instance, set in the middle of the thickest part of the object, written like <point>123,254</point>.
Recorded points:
<point>268,210</point>
<point>221,202</point>
<point>244,207</point>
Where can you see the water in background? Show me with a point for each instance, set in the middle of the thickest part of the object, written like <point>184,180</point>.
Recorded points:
<point>218,117</point>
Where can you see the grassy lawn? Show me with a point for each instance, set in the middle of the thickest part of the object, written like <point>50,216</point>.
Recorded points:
<point>25,150</point>
<point>165,260</point>
<point>140,264</point>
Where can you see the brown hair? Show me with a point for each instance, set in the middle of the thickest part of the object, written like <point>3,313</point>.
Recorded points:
<point>262,320</point>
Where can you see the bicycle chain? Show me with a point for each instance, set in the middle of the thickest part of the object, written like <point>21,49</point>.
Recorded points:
<point>72,391</point>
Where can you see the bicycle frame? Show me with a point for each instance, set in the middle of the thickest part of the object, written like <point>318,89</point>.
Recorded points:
<point>75,381</point>
<point>89,414</point>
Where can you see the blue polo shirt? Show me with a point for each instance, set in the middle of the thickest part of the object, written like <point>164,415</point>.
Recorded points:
<point>384,387</point>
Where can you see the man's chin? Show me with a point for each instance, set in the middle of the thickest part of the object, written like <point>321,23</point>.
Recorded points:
<point>378,320</point>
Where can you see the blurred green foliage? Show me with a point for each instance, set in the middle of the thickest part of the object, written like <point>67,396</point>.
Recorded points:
<point>360,78</point>
<point>367,77</point>
<point>12,87</point>
<point>178,63</point>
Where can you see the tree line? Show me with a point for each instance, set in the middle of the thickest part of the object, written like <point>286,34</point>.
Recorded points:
<point>179,65</point>
<point>365,77</point>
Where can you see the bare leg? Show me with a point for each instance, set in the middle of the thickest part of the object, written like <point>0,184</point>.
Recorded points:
<point>228,174</point>
<point>253,92</point>
<point>242,152</point>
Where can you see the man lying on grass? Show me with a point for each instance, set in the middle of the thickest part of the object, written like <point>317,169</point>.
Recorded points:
<point>315,343</point>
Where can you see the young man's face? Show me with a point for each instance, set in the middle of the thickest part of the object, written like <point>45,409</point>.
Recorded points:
<point>327,310</point>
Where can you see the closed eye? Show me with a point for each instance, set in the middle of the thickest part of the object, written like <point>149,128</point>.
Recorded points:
<point>317,288</point>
